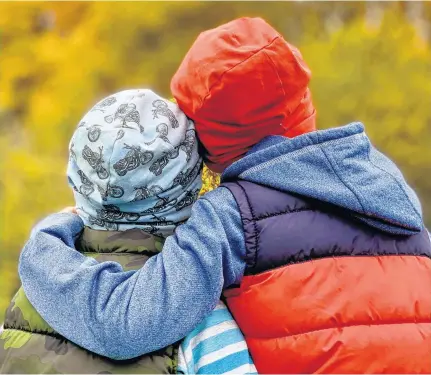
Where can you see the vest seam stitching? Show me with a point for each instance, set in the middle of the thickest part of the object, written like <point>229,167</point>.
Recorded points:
<point>337,256</point>
<point>427,320</point>
<point>256,232</point>
<point>262,217</point>
<point>243,219</point>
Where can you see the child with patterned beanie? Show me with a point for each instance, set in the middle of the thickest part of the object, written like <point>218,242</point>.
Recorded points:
<point>135,171</point>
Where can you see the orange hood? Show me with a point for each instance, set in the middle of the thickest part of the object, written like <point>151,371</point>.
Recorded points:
<point>241,82</point>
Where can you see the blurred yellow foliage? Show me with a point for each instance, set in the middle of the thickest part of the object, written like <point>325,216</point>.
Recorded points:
<point>58,58</point>
<point>210,180</point>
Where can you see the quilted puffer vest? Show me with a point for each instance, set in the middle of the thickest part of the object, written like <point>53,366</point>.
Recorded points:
<point>323,293</point>
<point>29,346</point>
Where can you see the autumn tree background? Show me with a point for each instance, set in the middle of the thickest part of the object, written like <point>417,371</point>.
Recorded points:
<point>371,62</point>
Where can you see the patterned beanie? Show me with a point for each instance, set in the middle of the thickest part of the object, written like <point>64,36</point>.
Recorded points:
<point>134,163</point>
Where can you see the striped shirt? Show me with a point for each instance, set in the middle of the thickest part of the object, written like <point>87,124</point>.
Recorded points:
<point>216,346</point>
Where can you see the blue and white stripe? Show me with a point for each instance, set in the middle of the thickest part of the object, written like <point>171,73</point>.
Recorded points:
<point>216,346</point>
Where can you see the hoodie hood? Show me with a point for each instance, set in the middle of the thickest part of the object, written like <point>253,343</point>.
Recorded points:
<point>241,82</point>
<point>339,166</point>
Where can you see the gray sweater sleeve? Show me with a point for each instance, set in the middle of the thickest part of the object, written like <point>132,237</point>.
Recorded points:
<point>126,314</point>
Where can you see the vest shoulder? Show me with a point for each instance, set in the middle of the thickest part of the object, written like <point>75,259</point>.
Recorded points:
<point>282,228</point>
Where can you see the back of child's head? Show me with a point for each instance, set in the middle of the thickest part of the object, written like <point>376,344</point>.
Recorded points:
<point>134,163</point>
<point>241,82</point>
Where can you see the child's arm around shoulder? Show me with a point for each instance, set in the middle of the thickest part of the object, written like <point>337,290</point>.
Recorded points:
<point>126,314</point>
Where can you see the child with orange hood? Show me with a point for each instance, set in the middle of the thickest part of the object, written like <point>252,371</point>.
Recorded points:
<point>315,237</point>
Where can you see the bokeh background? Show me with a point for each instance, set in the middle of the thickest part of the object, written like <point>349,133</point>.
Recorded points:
<point>371,62</point>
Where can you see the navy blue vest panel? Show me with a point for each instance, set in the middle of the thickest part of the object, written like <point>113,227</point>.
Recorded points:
<point>282,228</point>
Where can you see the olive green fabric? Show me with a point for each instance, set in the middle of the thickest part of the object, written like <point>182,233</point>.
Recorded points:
<point>29,346</point>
